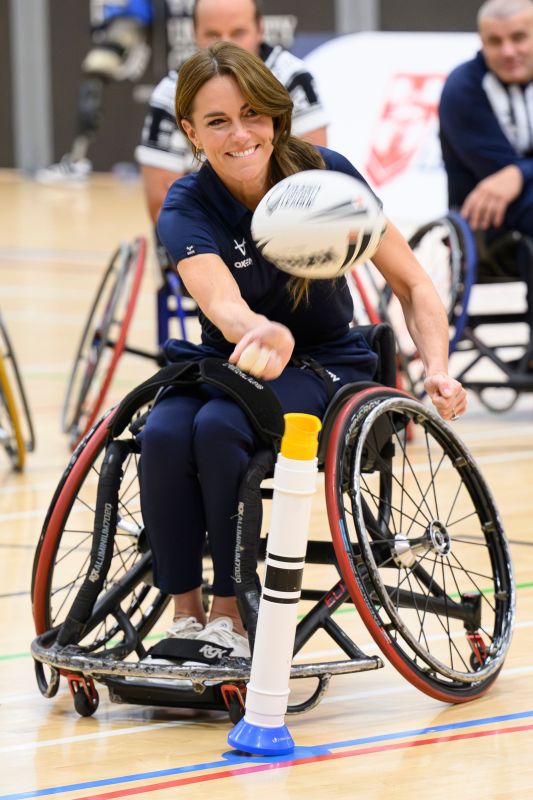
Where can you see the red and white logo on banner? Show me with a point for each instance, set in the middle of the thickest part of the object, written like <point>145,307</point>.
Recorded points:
<point>407,118</point>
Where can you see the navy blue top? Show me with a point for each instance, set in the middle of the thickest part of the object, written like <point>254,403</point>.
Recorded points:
<point>200,215</point>
<point>474,144</point>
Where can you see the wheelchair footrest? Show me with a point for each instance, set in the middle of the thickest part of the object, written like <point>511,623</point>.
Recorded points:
<point>130,677</point>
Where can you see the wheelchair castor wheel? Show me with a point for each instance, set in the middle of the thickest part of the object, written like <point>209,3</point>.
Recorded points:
<point>84,694</point>
<point>234,700</point>
<point>85,706</point>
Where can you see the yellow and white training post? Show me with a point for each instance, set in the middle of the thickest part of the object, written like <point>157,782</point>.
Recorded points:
<point>262,729</point>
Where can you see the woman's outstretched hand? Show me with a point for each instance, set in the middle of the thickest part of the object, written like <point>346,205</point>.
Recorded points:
<point>447,395</point>
<point>264,351</point>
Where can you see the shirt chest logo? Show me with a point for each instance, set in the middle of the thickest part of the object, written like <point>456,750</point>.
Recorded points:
<point>241,247</point>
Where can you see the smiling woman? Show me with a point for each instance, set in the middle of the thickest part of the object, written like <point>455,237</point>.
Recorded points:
<point>197,448</point>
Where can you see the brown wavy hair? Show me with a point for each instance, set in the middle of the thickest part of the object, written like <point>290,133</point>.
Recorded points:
<point>265,95</point>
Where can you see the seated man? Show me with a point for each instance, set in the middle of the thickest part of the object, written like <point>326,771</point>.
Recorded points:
<point>164,154</point>
<point>486,128</point>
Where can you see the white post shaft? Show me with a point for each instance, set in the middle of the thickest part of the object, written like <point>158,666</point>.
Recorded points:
<point>268,689</point>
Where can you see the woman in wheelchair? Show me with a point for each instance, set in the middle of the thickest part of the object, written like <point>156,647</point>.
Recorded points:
<point>293,334</point>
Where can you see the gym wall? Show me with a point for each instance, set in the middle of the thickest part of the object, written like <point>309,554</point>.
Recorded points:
<point>119,134</point>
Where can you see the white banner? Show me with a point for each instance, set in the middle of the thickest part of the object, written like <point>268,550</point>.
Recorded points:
<point>381,93</point>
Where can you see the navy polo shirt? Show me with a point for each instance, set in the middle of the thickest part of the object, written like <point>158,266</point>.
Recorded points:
<point>200,215</point>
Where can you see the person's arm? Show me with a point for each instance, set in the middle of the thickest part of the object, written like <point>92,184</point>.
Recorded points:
<point>164,154</point>
<point>425,318</point>
<point>472,132</point>
<point>309,119</point>
<point>263,348</point>
<point>156,183</point>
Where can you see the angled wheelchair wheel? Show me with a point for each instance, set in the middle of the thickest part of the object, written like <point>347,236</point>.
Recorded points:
<point>103,339</point>
<point>16,427</point>
<point>63,553</point>
<point>444,250</point>
<point>419,544</point>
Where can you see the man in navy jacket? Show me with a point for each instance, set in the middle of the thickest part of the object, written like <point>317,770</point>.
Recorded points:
<point>486,122</point>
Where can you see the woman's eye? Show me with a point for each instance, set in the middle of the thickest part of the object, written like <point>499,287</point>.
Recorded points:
<point>215,123</point>
<point>251,113</point>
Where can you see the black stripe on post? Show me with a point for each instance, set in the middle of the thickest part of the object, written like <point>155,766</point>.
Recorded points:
<point>286,559</point>
<point>282,600</point>
<point>283,580</point>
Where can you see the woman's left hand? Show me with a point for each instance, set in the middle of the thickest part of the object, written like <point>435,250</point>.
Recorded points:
<point>447,395</point>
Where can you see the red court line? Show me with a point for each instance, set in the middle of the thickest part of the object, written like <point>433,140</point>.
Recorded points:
<point>235,773</point>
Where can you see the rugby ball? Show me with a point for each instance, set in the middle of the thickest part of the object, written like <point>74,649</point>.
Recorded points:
<point>318,224</point>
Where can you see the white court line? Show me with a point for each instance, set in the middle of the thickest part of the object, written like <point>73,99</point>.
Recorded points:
<point>12,748</point>
<point>34,254</point>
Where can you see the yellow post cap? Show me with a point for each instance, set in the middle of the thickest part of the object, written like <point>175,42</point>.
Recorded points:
<point>300,440</point>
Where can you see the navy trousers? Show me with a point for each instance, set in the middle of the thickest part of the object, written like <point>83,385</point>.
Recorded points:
<point>196,449</point>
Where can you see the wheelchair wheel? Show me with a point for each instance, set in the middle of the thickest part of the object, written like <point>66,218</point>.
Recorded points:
<point>419,544</point>
<point>16,432</point>
<point>103,339</point>
<point>64,551</point>
<point>442,249</point>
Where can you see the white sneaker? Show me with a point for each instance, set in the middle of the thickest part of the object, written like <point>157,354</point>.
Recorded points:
<point>220,632</point>
<point>185,628</point>
<point>65,171</point>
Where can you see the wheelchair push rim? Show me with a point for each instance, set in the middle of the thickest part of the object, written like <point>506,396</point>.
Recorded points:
<point>420,545</point>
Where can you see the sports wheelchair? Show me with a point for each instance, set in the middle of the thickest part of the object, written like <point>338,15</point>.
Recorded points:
<point>414,535</point>
<point>461,261</point>
<point>17,435</point>
<point>105,334</point>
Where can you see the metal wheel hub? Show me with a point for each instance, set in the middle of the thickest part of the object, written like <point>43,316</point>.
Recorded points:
<point>439,538</point>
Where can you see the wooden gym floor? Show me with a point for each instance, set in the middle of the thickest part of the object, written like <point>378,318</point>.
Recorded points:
<point>373,735</point>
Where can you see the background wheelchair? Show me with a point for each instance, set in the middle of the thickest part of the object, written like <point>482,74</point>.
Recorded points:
<point>414,536</point>
<point>491,346</point>
<point>105,334</point>
<point>16,427</point>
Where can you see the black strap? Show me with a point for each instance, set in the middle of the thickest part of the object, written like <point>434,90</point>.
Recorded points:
<point>256,398</point>
<point>306,362</point>
<point>180,650</point>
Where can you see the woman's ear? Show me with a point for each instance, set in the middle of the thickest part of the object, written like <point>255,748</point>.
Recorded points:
<point>191,133</point>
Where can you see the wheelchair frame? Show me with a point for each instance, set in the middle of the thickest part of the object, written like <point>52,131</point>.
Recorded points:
<point>426,565</point>
<point>470,262</point>
<point>16,432</point>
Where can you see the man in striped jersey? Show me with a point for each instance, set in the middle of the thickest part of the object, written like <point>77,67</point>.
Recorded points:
<point>164,154</point>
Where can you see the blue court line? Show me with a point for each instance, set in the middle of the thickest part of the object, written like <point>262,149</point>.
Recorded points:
<point>231,758</point>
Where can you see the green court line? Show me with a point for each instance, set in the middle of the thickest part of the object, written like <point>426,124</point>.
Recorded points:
<point>345,610</point>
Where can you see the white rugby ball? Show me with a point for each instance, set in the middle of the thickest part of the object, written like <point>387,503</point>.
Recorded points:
<point>318,224</point>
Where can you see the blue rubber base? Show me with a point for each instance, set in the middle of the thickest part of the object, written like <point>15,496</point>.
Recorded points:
<point>254,739</point>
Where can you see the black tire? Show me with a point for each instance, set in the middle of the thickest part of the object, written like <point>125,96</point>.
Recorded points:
<point>103,340</point>
<point>16,427</point>
<point>420,544</point>
<point>440,248</point>
<point>85,706</point>
<point>63,552</point>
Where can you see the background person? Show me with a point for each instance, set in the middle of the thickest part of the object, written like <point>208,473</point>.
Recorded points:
<point>120,51</point>
<point>164,153</point>
<point>486,132</point>
<point>197,446</point>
